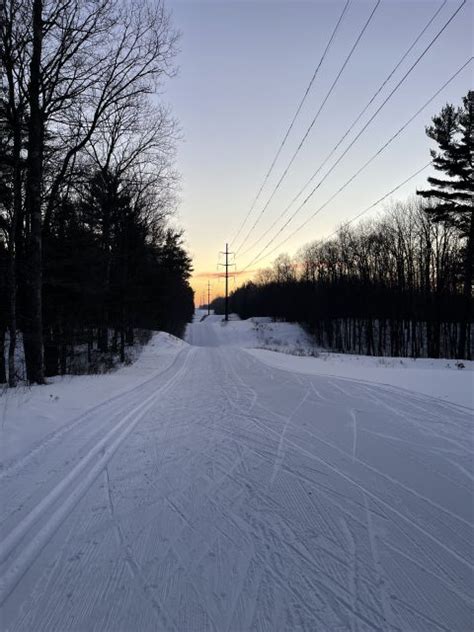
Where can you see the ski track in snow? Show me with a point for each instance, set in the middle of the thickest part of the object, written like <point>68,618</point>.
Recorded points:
<point>224,495</point>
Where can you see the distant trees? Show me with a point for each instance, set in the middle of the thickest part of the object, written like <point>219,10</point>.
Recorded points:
<point>88,184</point>
<point>452,196</point>
<point>218,305</point>
<point>391,286</point>
<point>400,285</point>
<point>111,264</point>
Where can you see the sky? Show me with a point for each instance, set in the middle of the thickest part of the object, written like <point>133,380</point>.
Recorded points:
<point>244,67</point>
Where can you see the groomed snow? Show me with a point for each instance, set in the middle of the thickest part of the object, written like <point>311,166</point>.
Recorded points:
<point>28,413</point>
<point>286,346</point>
<point>435,378</point>
<point>203,489</point>
<point>254,332</point>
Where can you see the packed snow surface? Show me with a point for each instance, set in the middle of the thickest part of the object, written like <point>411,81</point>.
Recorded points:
<point>204,489</point>
<point>448,380</point>
<point>28,413</point>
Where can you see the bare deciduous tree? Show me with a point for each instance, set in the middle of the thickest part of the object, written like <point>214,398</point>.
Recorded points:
<point>75,70</point>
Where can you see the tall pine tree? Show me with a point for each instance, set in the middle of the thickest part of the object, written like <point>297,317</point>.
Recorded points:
<point>453,194</point>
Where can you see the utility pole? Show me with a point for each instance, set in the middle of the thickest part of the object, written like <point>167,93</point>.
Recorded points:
<point>227,265</point>
<point>208,298</point>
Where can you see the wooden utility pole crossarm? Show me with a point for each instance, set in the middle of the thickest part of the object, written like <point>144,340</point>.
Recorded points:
<point>227,265</point>
<point>208,298</point>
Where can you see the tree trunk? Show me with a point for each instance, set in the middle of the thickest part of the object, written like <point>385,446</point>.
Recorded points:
<point>464,352</point>
<point>3,368</point>
<point>103,338</point>
<point>12,276</point>
<point>122,344</point>
<point>370,337</point>
<point>33,333</point>
<point>63,353</point>
<point>51,350</point>
<point>90,345</point>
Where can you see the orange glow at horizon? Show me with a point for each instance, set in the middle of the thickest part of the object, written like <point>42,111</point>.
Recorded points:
<point>200,280</point>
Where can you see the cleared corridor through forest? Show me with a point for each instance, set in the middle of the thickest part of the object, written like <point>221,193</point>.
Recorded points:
<point>226,495</point>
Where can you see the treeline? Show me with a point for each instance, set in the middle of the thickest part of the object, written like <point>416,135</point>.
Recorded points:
<point>87,252</point>
<point>392,286</point>
<point>400,285</point>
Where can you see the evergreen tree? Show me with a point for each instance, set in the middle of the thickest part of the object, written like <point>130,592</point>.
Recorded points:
<point>453,195</point>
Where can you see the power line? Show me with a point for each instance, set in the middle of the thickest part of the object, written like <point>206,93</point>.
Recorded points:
<point>399,186</point>
<point>282,144</point>
<point>226,265</point>
<point>369,208</point>
<point>208,298</point>
<point>308,197</point>
<point>349,129</point>
<point>372,158</point>
<point>306,134</point>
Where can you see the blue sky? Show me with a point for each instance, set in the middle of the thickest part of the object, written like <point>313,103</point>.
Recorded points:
<point>243,68</point>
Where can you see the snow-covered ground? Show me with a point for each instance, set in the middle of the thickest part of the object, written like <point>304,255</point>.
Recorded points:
<point>254,332</point>
<point>28,413</point>
<point>211,490</point>
<point>286,346</point>
<point>443,379</point>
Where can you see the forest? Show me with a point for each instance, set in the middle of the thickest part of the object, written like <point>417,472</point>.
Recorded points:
<point>89,254</point>
<point>397,285</point>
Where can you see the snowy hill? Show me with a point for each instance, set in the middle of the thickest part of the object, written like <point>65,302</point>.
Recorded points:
<point>258,332</point>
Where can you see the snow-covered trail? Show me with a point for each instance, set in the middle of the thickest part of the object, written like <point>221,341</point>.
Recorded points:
<point>230,496</point>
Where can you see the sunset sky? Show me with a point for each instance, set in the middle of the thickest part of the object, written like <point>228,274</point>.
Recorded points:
<point>243,69</point>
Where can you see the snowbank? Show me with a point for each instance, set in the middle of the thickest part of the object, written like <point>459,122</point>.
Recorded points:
<point>287,346</point>
<point>258,332</point>
<point>435,378</point>
<point>28,413</point>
